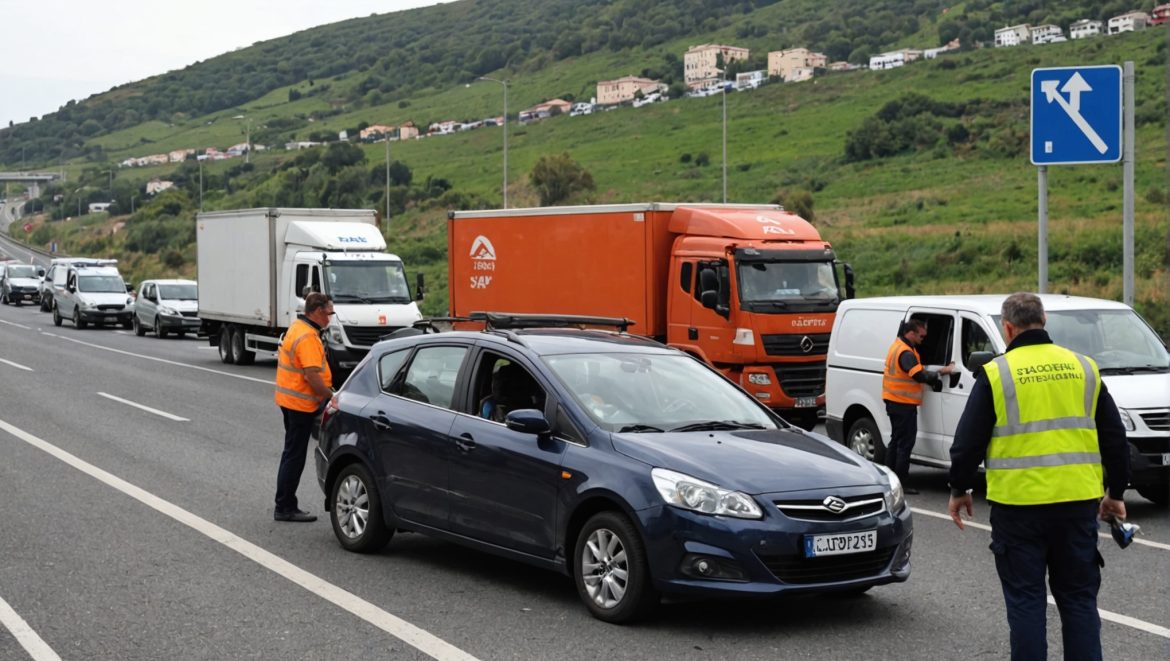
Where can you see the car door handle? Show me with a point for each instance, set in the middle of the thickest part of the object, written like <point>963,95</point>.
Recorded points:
<point>465,442</point>
<point>380,422</point>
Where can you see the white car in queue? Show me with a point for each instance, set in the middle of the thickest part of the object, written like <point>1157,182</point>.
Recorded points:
<point>166,306</point>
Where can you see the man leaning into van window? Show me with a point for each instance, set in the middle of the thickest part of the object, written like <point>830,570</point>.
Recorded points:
<point>902,383</point>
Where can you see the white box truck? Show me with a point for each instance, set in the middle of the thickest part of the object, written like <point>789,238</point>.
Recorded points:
<point>256,265</point>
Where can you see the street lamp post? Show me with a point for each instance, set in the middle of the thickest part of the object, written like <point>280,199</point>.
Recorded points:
<point>505,85</point>
<point>201,185</point>
<point>132,205</point>
<point>386,137</point>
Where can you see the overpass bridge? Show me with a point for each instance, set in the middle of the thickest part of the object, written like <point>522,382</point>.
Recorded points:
<point>33,179</point>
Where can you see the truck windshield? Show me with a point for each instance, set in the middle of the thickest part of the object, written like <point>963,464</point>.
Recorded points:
<point>101,284</point>
<point>1118,340</point>
<point>784,284</point>
<point>649,393</point>
<point>178,292</point>
<point>367,282</point>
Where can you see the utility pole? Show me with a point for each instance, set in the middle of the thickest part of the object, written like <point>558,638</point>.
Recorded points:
<point>248,140</point>
<point>386,137</point>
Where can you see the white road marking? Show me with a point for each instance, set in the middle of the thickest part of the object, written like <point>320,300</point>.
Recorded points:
<point>267,382</point>
<point>418,638</point>
<point>1125,620</point>
<point>1102,535</point>
<point>16,365</point>
<point>136,405</point>
<point>122,332</point>
<point>13,323</point>
<point>28,639</point>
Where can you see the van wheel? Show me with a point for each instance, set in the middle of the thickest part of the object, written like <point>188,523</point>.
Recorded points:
<point>158,329</point>
<point>225,346</point>
<point>138,329</point>
<point>243,356</point>
<point>611,571</point>
<point>1159,494</point>
<point>356,514</point>
<point>865,439</point>
<point>4,299</point>
<point>77,319</point>
<point>56,317</point>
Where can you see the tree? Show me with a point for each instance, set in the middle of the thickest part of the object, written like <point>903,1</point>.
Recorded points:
<point>558,177</point>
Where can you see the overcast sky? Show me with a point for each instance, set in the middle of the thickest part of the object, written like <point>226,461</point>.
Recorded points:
<point>52,51</point>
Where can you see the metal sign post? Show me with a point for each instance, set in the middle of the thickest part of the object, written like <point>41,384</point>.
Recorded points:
<point>1127,178</point>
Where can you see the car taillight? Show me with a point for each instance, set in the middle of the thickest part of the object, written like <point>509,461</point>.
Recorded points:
<point>330,409</point>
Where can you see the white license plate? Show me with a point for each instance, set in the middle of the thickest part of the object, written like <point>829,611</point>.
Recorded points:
<point>806,402</point>
<point>816,546</point>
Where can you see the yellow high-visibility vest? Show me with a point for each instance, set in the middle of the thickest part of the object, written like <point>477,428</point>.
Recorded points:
<point>898,385</point>
<point>1044,445</point>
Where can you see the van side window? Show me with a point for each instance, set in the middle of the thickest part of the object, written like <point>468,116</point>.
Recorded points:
<point>974,338</point>
<point>938,346</point>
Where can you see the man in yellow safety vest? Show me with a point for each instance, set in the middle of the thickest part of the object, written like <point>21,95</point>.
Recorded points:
<point>303,386</point>
<point>1049,434</point>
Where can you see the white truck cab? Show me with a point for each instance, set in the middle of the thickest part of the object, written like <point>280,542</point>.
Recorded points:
<point>1133,361</point>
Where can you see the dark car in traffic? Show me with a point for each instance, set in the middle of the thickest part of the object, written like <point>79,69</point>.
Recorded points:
<point>632,467</point>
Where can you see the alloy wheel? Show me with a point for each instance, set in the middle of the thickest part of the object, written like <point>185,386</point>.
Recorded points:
<point>352,507</point>
<point>604,568</point>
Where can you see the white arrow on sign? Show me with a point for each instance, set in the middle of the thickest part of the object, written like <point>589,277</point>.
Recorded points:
<point>1072,107</point>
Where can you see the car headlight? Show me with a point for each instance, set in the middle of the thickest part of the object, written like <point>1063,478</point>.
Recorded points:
<point>169,312</point>
<point>335,334</point>
<point>896,498</point>
<point>86,305</point>
<point>1127,420</point>
<point>696,495</point>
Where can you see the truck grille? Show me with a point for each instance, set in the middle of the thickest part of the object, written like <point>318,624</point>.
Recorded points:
<point>367,336</point>
<point>800,570</point>
<point>803,380</point>
<point>1157,420</point>
<point>856,507</point>
<point>794,344</point>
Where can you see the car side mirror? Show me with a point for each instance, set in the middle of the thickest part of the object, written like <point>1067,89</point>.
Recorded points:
<point>40,273</point>
<point>528,421</point>
<point>977,360</point>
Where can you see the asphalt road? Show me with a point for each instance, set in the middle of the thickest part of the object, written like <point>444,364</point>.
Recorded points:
<point>128,534</point>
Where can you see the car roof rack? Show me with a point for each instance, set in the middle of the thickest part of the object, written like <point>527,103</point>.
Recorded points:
<point>516,321</point>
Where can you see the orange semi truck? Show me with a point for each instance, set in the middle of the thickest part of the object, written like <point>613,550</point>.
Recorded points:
<point>750,289</point>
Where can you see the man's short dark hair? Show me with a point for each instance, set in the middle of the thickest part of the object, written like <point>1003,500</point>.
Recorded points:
<point>1023,310</point>
<point>316,301</point>
<point>911,325</point>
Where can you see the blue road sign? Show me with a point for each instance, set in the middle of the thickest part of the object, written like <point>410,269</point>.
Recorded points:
<point>1076,115</point>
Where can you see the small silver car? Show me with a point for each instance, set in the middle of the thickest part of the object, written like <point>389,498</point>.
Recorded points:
<point>166,306</point>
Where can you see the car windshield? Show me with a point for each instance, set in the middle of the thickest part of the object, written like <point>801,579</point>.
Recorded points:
<point>178,292</point>
<point>22,271</point>
<point>628,392</point>
<point>101,284</point>
<point>1118,340</point>
<point>368,282</point>
<point>766,282</point>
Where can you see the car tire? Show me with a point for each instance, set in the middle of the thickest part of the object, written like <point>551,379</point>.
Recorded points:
<point>46,304</point>
<point>127,325</point>
<point>1159,494</point>
<point>16,302</point>
<point>243,356</point>
<point>77,322</point>
<point>225,346</point>
<point>139,329</point>
<point>865,439</point>
<point>158,329</point>
<point>356,513</point>
<point>4,299</point>
<point>180,334</point>
<point>56,317</point>
<point>605,537</point>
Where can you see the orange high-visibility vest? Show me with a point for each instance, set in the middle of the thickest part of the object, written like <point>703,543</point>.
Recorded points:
<point>300,349</point>
<point>899,385</point>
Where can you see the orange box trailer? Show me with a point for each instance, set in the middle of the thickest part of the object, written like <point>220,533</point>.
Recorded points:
<point>750,289</point>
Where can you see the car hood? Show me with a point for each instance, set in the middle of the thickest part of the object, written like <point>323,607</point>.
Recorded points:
<point>754,462</point>
<point>1139,391</point>
<point>102,298</point>
<point>24,282</point>
<point>180,305</point>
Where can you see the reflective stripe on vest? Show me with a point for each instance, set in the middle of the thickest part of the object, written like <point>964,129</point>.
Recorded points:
<point>899,385</point>
<point>1052,456</point>
<point>292,388</point>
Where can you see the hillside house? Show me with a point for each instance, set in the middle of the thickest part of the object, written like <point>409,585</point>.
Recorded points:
<point>374,132</point>
<point>180,155</point>
<point>700,63</point>
<point>750,80</point>
<point>155,186</point>
<point>785,63</point>
<point>443,128</point>
<point>544,110</point>
<point>1085,27</point>
<point>95,207</point>
<point>1047,34</point>
<point>1160,14</point>
<point>1131,22</point>
<point>625,89</point>
<point>291,146</point>
<point>894,59</point>
<point>1013,35</point>
<point>931,53</point>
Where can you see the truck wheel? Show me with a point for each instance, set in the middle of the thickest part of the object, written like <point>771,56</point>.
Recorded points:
<point>56,317</point>
<point>865,439</point>
<point>225,346</point>
<point>243,356</point>
<point>1159,494</point>
<point>356,514</point>
<point>611,571</point>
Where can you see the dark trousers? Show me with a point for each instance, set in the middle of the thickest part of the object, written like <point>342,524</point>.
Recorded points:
<point>904,431</point>
<point>298,425</point>
<point>1061,539</point>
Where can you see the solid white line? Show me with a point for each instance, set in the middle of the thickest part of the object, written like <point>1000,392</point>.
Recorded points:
<point>1128,621</point>
<point>418,638</point>
<point>13,323</point>
<point>136,405</point>
<point>28,639</point>
<point>267,382</point>
<point>16,365</point>
<point>1102,535</point>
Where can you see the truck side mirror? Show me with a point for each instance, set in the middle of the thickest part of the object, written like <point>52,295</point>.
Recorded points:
<point>850,291</point>
<point>419,288</point>
<point>977,360</point>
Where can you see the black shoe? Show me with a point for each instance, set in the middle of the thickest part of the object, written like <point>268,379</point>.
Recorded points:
<point>910,491</point>
<point>298,516</point>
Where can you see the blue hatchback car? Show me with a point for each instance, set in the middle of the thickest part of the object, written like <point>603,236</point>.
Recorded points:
<point>632,467</point>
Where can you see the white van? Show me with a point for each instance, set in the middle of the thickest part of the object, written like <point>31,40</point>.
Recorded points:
<point>94,293</point>
<point>1133,360</point>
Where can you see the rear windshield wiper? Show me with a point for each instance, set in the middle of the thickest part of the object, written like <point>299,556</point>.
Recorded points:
<point>638,429</point>
<point>718,425</point>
